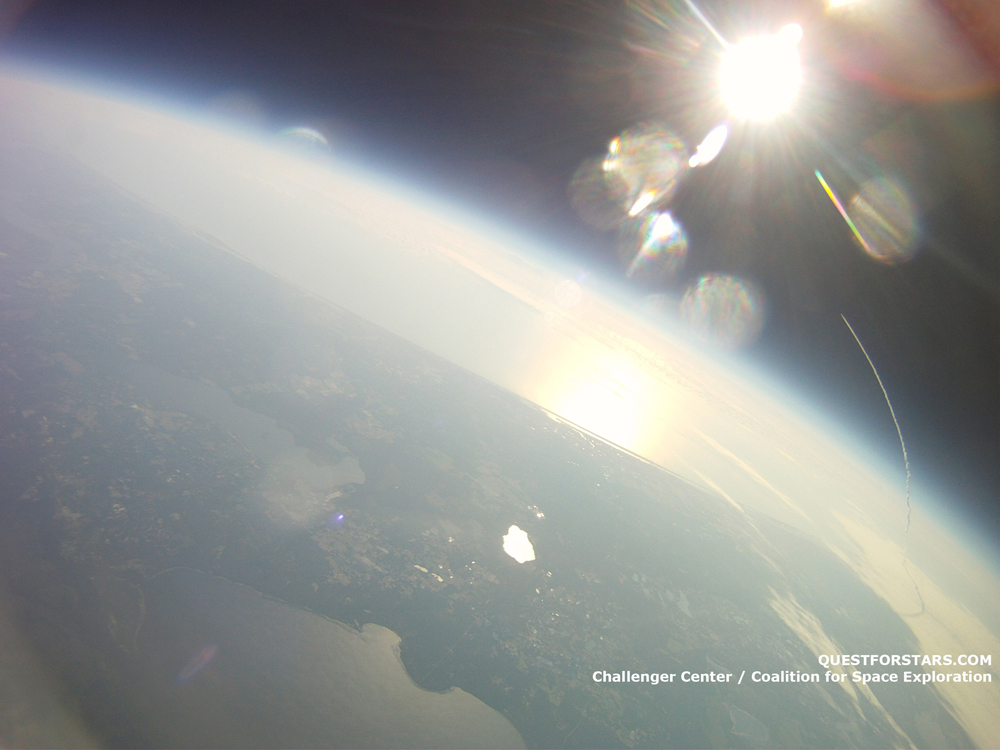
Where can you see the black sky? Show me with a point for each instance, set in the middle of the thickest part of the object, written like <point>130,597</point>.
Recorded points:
<point>498,103</point>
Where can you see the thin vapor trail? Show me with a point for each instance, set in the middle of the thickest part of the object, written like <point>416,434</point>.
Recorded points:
<point>899,432</point>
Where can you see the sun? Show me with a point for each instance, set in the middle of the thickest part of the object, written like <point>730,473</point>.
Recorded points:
<point>760,76</point>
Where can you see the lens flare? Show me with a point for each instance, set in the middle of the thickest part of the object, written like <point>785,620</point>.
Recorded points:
<point>643,167</point>
<point>882,219</point>
<point>657,306</point>
<point>710,147</point>
<point>887,220</point>
<point>654,248</point>
<point>198,662</point>
<point>642,202</point>
<point>640,171</point>
<point>725,310</point>
<point>593,196</point>
<point>840,208</point>
<point>760,76</point>
<point>568,294</point>
<point>305,138</point>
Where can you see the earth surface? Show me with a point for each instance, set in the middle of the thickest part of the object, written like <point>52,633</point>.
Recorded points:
<point>266,421</point>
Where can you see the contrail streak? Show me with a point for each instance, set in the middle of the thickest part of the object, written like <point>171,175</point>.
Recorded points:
<point>895,421</point>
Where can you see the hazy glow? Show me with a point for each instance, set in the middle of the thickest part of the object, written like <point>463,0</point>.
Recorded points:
<point>761,75</point>
<point>922,54</point>
<point>791,33</point>
<point>710,147</point>
<point>517,545</point>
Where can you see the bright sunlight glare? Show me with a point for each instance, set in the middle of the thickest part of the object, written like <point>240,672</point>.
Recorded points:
<point>642,202</point>
<point>760,76</point>
<point>710,147</point>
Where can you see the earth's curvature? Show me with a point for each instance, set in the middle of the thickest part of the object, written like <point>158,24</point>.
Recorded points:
<point>266,422</point>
